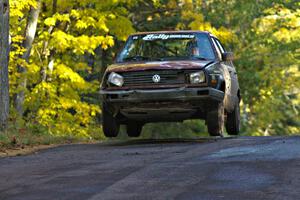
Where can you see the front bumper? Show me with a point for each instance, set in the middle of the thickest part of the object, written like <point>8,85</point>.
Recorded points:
<point>160,95</point>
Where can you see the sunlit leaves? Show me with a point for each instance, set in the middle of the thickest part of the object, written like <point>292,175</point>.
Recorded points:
<point>70,41</point>
<point>17,7</point>
<point>62,42</point>
<point>58,65</point>
<point>65,73</point>
<point>124,27</point>
<point>284,22</point>
<point>277,40</point>
<point>50,21</point>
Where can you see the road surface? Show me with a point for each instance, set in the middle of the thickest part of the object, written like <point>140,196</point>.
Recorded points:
<point>234,168</point>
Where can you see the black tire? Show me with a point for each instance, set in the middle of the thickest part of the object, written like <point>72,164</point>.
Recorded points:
<point>233,121</point>
<point>134,129</point>
<point>110,124</point>
<point>215,121</point>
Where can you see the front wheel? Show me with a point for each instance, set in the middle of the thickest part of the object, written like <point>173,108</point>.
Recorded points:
<point>215,121</point>
<point>110,125</point>
<point>233,121</point>
<point>134,129</point>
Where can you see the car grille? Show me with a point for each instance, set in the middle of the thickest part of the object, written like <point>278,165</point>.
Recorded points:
<point>143,78</point>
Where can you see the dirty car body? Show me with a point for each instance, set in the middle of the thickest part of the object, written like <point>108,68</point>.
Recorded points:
<point>171,76</point>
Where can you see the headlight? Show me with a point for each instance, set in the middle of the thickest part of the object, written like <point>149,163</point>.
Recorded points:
<point>116,79</point>
<point>197,77</point>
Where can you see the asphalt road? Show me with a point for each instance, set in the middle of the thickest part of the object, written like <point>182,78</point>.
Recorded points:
<point>235,168</point>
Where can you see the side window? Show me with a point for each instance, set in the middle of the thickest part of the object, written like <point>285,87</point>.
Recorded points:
<point>205,47</point>
<point>217,47</point>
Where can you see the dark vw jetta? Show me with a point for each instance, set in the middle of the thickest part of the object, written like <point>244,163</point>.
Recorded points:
<point>171,76</point>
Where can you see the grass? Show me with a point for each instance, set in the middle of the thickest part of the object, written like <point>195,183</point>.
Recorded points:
<point>15,138</point>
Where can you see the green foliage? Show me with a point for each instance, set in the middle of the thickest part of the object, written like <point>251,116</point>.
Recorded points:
<point>58,68</point>
<point>75,40</point>
<point>20,138</point>
<point>277,69</point>
<point>188,129</point>
<point>267,62</point>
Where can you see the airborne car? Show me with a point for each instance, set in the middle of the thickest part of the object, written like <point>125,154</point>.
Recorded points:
<point>169,77</point>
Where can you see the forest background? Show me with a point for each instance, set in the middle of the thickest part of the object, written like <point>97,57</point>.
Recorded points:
<point>61,48</point>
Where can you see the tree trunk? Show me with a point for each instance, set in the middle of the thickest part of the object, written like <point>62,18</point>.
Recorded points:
<point>49,58</point>
<point>103,64</point>
<point>4,59</point>
<point>27,44</point>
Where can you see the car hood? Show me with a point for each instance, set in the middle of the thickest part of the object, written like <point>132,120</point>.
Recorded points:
<point>159,65</point>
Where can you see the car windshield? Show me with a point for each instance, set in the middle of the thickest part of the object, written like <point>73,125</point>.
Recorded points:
<point>167,47</point>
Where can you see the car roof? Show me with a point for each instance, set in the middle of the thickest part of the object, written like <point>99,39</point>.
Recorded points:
<point>171,32</point>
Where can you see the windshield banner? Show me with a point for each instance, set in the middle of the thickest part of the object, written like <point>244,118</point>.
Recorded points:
<point>168,36</point>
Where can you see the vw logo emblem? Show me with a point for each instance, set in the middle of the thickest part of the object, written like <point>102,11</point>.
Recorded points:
<point>156,78</point>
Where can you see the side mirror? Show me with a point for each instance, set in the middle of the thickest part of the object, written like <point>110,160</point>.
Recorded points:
<point>227,56</point>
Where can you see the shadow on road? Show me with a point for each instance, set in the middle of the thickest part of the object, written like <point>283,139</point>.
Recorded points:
<point>165,141</point>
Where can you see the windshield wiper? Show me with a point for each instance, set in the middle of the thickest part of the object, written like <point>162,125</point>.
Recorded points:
<point>137,57</point>
<point>198,58</point>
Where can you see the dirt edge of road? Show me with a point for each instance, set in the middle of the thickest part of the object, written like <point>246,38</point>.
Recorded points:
<point>27,149</point>
<point>24,150</point>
